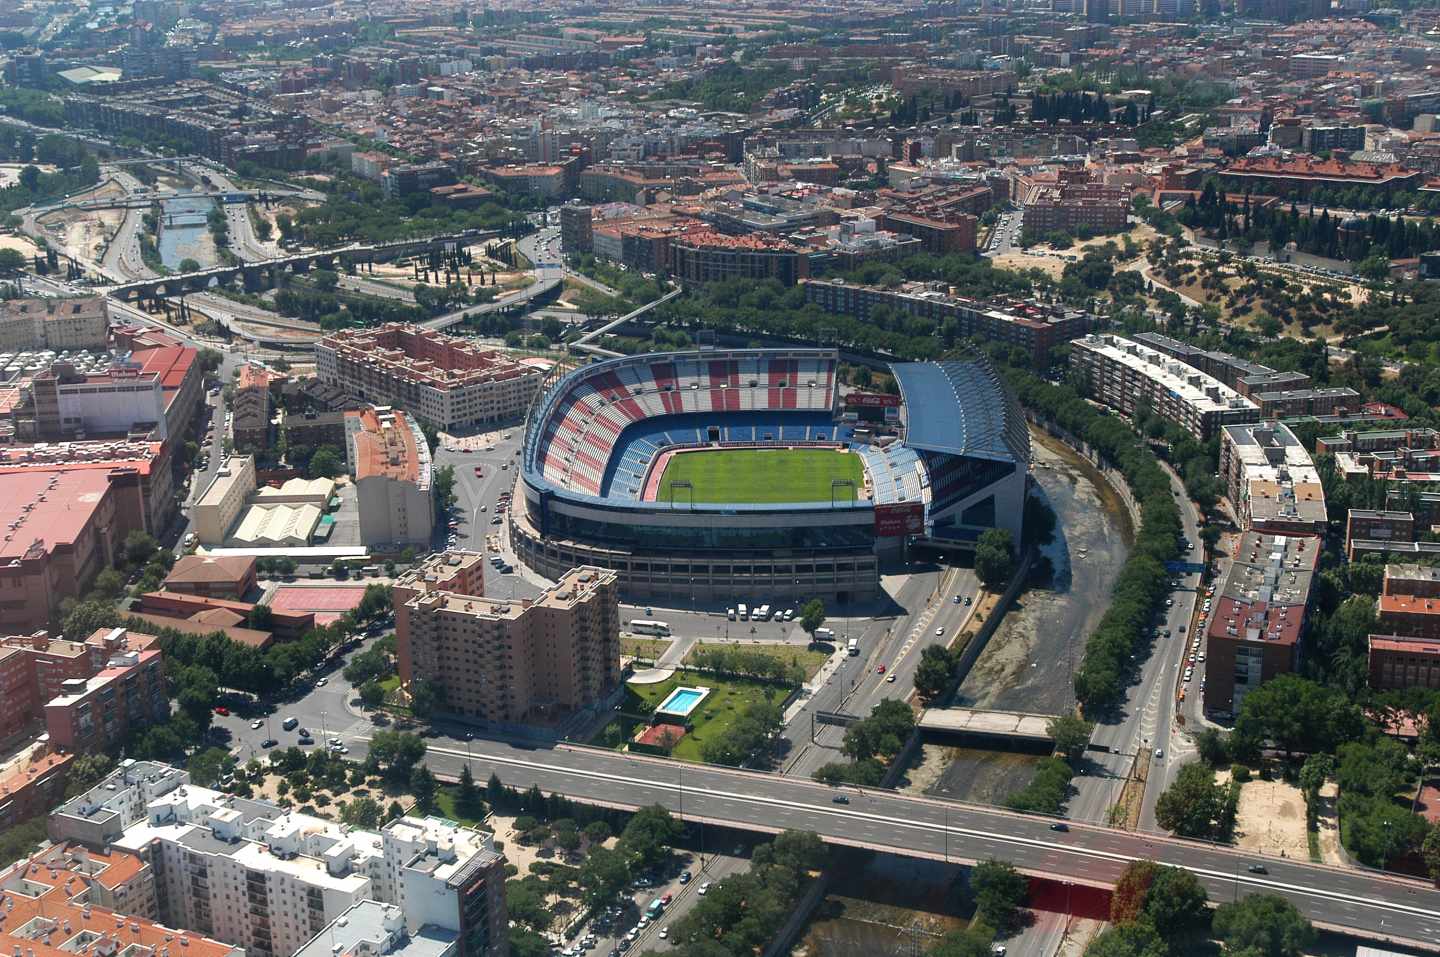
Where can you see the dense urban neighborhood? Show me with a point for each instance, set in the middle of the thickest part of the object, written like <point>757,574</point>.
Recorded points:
<point>897,477</point>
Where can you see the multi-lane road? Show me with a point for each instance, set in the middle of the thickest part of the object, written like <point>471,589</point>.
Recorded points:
<point>1348,900</point>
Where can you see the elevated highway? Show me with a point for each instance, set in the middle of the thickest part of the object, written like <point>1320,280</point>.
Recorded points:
<point>1357,902</point>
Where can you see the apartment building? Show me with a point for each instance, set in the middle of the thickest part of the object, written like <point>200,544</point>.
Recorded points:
<point>1254,630</point>
<point>441,379</point>
<point>1409,603</point>
<point>221,503</point>
<point>390,467</point>
<point>577,227</point>
<point>1131,378</point>
<point>269,880</point>
<point>532,661</point>
<point>96,713</point>
<point>1270,480</point>
<point>1368,529</point>
<point>251,407</point>
<point>1033,327</point>
<point>66,900</point>
<point>32,783</point>
<point>1071,202</point>
<point>56,324</point>
<point>36,668</point>
<point>702,256</point>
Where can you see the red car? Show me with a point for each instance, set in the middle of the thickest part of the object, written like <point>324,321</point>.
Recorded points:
<point>880,670</point>
<point>222,710</point>
<point>665,899</point>
<point>479,472</point>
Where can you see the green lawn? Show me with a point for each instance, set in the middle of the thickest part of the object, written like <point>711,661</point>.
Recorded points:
<point>712,719</point>
<point>445,802</point>
<point>761,476</point>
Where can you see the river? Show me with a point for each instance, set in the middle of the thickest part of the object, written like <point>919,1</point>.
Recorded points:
<point>1030,662</point>
<point>185,233</point>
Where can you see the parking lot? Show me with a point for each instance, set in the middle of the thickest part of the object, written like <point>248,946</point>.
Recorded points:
<point>634,922</point>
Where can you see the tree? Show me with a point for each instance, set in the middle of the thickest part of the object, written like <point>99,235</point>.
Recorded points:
<point>326,462</point>
<point>1000,892</point>
<point>1213,747</point>
<point>1071,735</point>
<point>1127,902</point>
<point>933,673</point>
<point>1430,850</point>
<point>443,484</point>
<point>1177,905</point>
<point>396,752</point>
<point>1193,805</point>
<point>362,812</point>
<point>526,903</point>
<point>424,786</point>
<point>1262,925</point>
<point>648,836</point>
<point>812,616</point>
<point>603,875</point>
<point>209,359</point>
<point>424,697</point>
<point>467,794</point>
<point>372,694</point>
<point>1296,714</point>
<point>207,767</point>
<point>1128,940</point>
<point>139,547</point>
<point>11,261</point>
<point>189,265</point>
<point>995,557</point>
<point>109,584</point>
<point>598,832</point>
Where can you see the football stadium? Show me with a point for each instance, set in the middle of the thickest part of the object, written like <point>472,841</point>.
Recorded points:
<point>732,475</point>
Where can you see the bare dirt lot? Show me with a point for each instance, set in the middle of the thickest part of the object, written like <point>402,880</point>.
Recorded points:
<point>1270,819</point>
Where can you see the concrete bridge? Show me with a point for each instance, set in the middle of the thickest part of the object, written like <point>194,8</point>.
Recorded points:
<point>263,274</point>
<point>145,199</point>
<point>1015,727</point>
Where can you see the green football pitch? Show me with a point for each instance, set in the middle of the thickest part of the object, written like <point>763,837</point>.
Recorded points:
<point>760,476</point>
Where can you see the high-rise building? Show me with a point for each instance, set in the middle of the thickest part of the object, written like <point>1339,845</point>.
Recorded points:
<point>508,660</point>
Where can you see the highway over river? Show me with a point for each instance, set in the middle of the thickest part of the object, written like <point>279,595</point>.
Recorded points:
<point>1359,902</point>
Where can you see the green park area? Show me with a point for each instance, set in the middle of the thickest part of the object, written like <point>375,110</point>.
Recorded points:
<point>732,724</point>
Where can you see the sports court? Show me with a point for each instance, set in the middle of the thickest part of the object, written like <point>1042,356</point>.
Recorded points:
<point>328,602</point>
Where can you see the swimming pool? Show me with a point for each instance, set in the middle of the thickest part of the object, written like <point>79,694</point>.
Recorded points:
<point>681,702</point>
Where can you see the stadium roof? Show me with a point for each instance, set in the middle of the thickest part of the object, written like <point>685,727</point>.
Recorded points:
<point>967,410</point>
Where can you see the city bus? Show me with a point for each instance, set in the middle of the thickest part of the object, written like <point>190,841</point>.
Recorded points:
<point>641,626</point>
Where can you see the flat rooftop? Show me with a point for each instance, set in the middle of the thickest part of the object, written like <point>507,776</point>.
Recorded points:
<point>1283,483</point>
<point>44,509</point>
<point>1201,392</point>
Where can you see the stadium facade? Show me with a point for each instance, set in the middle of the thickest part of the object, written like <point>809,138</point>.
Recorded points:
<point>598,438</point>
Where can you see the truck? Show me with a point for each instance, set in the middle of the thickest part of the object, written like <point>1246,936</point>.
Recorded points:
<point>854,647</point>
<point>824,634</point>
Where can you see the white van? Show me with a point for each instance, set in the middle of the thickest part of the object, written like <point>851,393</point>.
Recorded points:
<point>743,612</point>
<point>730,613</point>
<point>823,634</point>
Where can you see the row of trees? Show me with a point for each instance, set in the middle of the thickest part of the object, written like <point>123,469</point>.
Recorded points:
<point>735,661</point>
<point>1143,583</point>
